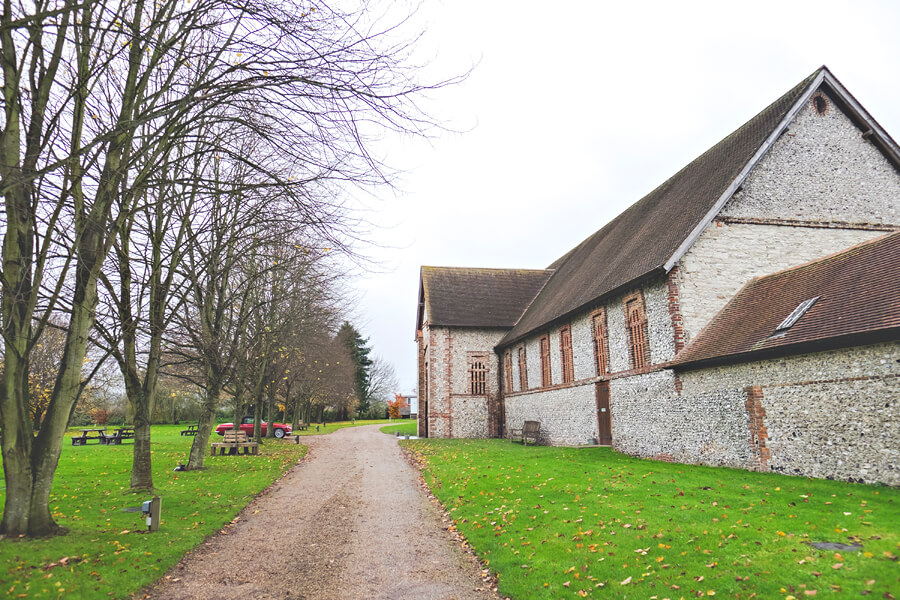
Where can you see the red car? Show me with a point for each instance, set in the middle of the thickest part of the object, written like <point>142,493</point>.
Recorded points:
<point>281,429</point>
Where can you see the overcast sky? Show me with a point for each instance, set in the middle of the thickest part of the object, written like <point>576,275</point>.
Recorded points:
<point>576,110</point>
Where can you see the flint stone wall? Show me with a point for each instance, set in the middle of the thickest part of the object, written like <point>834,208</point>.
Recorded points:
<point>568,415</point>
<point>832,414</point>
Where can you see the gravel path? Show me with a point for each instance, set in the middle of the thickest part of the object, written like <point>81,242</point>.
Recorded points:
<point>350,521</point>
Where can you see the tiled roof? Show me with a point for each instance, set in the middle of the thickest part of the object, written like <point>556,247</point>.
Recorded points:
<point>858,302</point>
<point>464,297</point>
<point>644,237</point>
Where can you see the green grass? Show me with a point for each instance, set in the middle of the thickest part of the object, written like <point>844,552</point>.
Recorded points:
<point>109,553</point>
<point>407,428</point>
<point>569,523</point>
<point>332,427</point>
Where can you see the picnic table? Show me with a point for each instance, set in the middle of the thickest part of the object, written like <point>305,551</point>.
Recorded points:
<point>235,441</point>
<point>121,433</point>
<point>191,430</point>
<point>90,435</point>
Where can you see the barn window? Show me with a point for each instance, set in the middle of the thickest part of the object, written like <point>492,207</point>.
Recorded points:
<point>601,344</point>
<point>546,378</point>
<point>478,376</point>
<point>523,370</point>
<point>636,327</point>
<point>565,351</point>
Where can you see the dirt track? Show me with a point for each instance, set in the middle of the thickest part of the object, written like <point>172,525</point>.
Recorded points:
<point>350,521</point>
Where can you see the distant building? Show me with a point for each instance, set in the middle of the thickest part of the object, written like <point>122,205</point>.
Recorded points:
<point>665,335</point>
<point>409,406</point>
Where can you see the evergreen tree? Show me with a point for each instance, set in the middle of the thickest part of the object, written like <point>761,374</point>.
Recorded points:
<point>359,350</point>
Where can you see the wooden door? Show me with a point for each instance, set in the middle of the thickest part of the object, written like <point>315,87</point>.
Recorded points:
<point>604,421</point>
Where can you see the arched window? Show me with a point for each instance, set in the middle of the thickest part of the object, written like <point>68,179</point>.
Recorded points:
<point>523,370</point>
<point>478,376</point>
<point>546,377</point>
<point>565,351</point>
<point>636,326</point>
<point>601,345</point>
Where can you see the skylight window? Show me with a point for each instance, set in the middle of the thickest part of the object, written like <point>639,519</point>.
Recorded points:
<point>796,314</point>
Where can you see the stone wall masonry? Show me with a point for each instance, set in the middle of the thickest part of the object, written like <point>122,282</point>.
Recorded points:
<point>822,169</point>
<point>649,419</point>
<point>728,255</point>
<point>659,321</point>
<point>555,357</point>
<point>659,327</point>
<point>832,414</point>
<point>583,347</point>
<point>568,415</point>
<point>437,355</point>
<point>533,361</point>
<point>470,417</point>
<point>581,417</point>
<point>452,411</point>
<point>467,341</point>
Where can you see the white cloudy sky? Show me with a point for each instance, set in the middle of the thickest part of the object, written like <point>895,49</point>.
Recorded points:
<point>577,109</point>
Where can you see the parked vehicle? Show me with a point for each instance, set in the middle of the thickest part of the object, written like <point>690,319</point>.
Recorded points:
<point>281,429</point>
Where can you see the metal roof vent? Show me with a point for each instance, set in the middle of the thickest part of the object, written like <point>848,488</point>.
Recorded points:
<point>796,314</point>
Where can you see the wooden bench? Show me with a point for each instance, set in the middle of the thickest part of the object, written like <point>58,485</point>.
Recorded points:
<point>236,440</point>
<point>191,430</point>
<point>531,430</point>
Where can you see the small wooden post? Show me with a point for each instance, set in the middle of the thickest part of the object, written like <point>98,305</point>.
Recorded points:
<point>153,517</point>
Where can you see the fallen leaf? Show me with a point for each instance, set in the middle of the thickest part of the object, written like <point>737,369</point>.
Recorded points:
<point>837,566</point>
<point>627,581</point>
<point>810,592</point>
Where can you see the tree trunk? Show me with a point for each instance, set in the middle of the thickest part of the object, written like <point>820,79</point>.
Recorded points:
<point>205,423</point>
<point>270,410</point>
<point>257,420</point>
<point>141,462</point>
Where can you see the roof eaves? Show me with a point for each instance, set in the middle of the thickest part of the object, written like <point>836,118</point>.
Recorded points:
<point>568,315</point>
<point>751,164</point>
<point>888,145</point>
<point>805,347</point>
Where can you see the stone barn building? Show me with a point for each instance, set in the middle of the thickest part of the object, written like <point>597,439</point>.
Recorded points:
<point>607,348</point>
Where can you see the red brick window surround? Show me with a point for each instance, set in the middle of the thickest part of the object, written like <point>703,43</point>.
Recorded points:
<point>601,341</point>
<point>546,377</point>
<point>636,326</point>
<point>565,351</point>
<point>478,375</point>
<point>523,370</point>
<point>507,371</point>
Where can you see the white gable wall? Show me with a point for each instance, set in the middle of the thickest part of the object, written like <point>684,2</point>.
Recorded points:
<point>821,189</point>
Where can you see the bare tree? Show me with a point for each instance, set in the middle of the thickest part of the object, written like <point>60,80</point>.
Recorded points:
<point>95,97</point>
<point>383,383</point>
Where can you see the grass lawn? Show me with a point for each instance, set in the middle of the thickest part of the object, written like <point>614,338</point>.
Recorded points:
<point>407,428</point>
<point>564,523</point>
<point>107,552</point>
<point>332,427</point>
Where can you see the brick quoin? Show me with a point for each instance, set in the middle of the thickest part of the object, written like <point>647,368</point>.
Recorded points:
<point>756,421</point>
<point>448,361</point>
<point>675,311</point>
